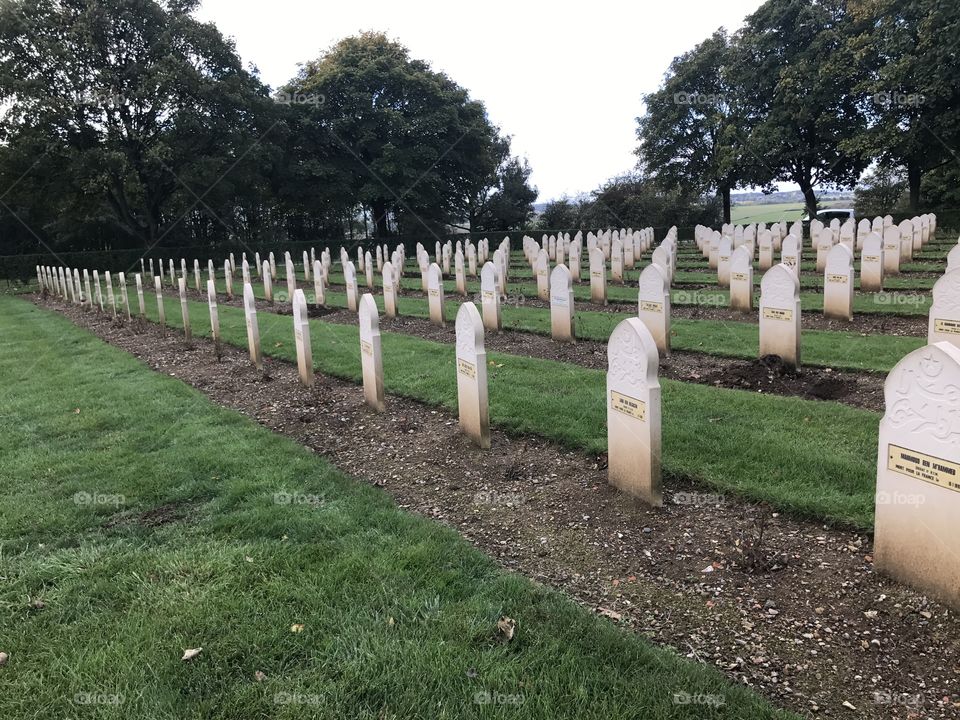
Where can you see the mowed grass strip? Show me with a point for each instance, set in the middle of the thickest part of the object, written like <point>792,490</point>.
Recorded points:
<point>398,614</point>
<point>785,451</point>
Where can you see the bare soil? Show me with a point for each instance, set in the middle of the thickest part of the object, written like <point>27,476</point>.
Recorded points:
<point>789,608</point>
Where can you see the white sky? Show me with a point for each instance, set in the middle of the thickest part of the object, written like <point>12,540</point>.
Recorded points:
<point>566,83</point>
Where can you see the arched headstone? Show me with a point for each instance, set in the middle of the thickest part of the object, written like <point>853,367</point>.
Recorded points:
<point>490,296</point>
<point>267,282</point>
<point>561,304</point>
<point>253,326</point>
<point>350,282</point>
<point>301,334</point>
<point>541,268</point>
<point>780,314</point>
<point>435,294</point>
<point>319,291</point>
<point>184,310</point>
<point>871,263</point>
<point>741,279</point>
<point>390,290</point>
<point>598,276</point>
<point>633,412</point>
<point>916,532</point>
<point>214,317</point>
<point>891,250</point>
<point>653,305</point>
<point>472,375</point>
<point>371,353</point>
<point>161,313</point>
<point>790,254</point>
<point>765,241</point>
<point>944,325</point>
<point>724,253</point>
<point>838,283</point>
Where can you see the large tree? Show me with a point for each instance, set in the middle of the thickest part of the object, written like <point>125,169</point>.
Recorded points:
<point>911,89</point>
<point>415,147</point>
<point>141,114</point>
<point>505,202</point>
<point>690,133</point>
<point>794,71</point>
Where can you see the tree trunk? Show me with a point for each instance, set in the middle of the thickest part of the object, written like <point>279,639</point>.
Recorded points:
<point>725,194</point>
<point>381,228</point>
<point>809,199</point>
<point>914,175</point>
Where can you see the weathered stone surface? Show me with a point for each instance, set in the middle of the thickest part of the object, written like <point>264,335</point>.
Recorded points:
<point>472,397</point>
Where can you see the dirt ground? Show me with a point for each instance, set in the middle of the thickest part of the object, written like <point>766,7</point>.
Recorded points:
<point>790,608</point>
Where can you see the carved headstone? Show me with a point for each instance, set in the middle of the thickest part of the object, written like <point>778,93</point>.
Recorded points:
<point>653,305</point>
<point>267,282</point>
<point>161,311</point>
<point>598,276</point>
<point>838,283</point>
<point>891,251</point>
<point>633,412</point>
<point>214,317</point>
<point>184,310</point>
<point>490,296</point>
<point>390,290</point>
<point>253,326</point>
<point>944,325</point>
<point>741,279</point>
<point>871,263</point>
<point>435,298</point>
<point>350,280</point>
<point>541,269</point>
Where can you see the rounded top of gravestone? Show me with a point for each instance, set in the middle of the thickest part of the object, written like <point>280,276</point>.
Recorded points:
<point>946,291</point>
<point>211,290</point>
<point>825,237</point>
<point>248,295</point>
<point>891,234</point>
<point>653,281</point>
<point>791,245</point>
<point>742,259</point>
<point>632,357</point>
<point>953,258</point>
<point>596,256</point>
<point>922,395</point>
<point>434,276</point>
<point>840,259</point>
<point>779,285</point>
<point>469,330</point>
<point>872,243</point>
<point>488,274</point>
<point>725,247</point>
<point>906,226</point>
<point>369,317</point>
<point>349,272</point>
<point>560,277</point>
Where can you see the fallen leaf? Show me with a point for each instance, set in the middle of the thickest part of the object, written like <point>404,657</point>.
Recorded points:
<point>259,676</point>
<point>507,627</point>
<point>296,628</point>
<point>248,559</point>
<point>848,705</point>
<point>191,653</point>
<point>390,621</point>
<point>3,658</point>
<point>612,614</point>
<point>76,411</point>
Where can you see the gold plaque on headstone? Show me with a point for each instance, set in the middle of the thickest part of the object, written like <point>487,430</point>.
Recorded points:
<point>928,468</point>
<point>842,279</point>
<point>777,314</point>
<point>948,327</point>
<point>467,369</point>
<point>648,306</point>
<point>366,348</point>
<point>628,405</point>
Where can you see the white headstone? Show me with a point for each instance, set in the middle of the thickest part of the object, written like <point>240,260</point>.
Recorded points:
<point>214,317</point>
<point>891,251</point>
<point>184,310</point>
<point>838,283</point>
<point>435,298</point>
<point>871,263</point>
<point>301,334</point>
<point>371,353</point>
<point>741,279</point>
<point>561,304</point>
<point>653,305</point>
<point>472,375</point>
<point>490,296</point>
<point>780,314</point>
<point>541,269</point>
<point>350,280</point>
<point>161,313</point>
<point>253,326</point>
<point>598,276</point>
<point>944,323</point>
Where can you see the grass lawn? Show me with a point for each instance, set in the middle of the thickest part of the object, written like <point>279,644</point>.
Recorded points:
<point>398,614</point>
<point>766,448</point>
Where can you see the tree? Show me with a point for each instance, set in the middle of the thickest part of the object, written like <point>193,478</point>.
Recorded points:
<point>880,192</point>
<point>794,72</point>
<point>139,113</point>
<point>690,133</point>
<point>414,147</point>
<point>636,201</point>
<point>507,203</point>
<point>911,90</point>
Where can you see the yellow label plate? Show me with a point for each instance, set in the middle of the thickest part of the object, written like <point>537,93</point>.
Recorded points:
<point>839,279</point>
<point>928,468</point>
<point>648,306</point>
<point>628,405</point>
<point>366,348</point>
<point>777,314</point>
<point>947,327</point>
<point>466,369</point>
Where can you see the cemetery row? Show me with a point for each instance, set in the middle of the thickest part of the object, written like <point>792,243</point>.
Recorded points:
<point>919,448</point>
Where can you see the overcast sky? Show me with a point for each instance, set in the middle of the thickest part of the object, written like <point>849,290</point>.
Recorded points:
<point>566,84</point>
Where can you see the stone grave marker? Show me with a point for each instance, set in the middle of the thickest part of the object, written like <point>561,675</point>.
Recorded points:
<point>598,276</point>
<point>472,397</point>
<point>633,412</point>
<point>228,277</point>
<point>490,296</point>
<point>371,353</point>
<point>790,254</point>
<point>944,325</point>
<point>184,310</point>
<point>141,309</point>
<point>561,304</point>
<point>916,533</point>
<point>319,291</point>
<point>350,280</point>
<point>871,263</point>
<point>838,283</point>
<point>368,270</point>
<point>891,250</point>
<point>161,312</point>
<point>741,279</point>
<point>780,314</point>
<point>214,318</point>
<point>724,253</point>
<point>301,334</point>
<point>653,305</point>
<point>267,282</point>
<point>435,298</point>
<point>459,271</point>
<point>541,269</point>
<point>253,326</point>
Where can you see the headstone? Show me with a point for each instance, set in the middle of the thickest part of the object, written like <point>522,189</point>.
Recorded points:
<point>838,283</point>
<point>350,281</point>
<point>741,279</point>
<point>461,277</point>
<point>96,282</point>
<point>196,275</point>
<point>653,305</point>
<point>123,294</point>
<point>371,353</point>
<point>184,309</point>
<point>228,277</point>
<point>267,282</point>
<point>891,251</point>
<point>111,299</point>
<point>765,242</point>
<point>944,325</point>
<point>616,260</point>
<point>916,532</point>
<point>724,253</point>
<point>490,296</point>
<point>86,285</point>
<point>561,304</point>
<point>214,317</point>
<point>790,254</point>
<point>574,258</point>
<point>824,246</point>
<point>780,314</point>
<point>319,292</point>
<point>435,294</point>
<point>368,270</point>
<point>291,277</point>
<point>541,269</point>
<point>161,312</point>
<point>633,412</point>
<point>390,290</point>
<point>301,334</point>
<point>253,326</point>
<point>141,308</point>
<point>306,266</point>
<point>871,263</point>
<point>953,259</point>
<point>598,276</point>
<point>472,397</point>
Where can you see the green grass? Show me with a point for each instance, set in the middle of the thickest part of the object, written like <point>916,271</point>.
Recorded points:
<point>773,212</point>
<point>766,448</point>
<point>398,612</point>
